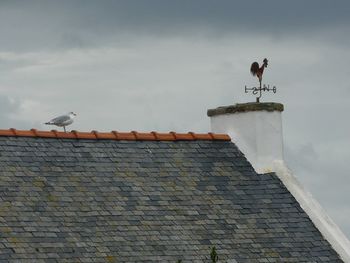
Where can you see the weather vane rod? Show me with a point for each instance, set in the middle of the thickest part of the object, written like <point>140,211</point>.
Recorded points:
<point>259,71</point>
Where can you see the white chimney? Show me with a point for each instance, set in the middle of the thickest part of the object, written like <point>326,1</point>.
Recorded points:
<point>256,128</point>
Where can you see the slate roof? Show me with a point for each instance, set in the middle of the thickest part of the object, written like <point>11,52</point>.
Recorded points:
<point>118,200</point>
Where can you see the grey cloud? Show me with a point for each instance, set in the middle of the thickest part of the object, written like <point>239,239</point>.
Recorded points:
<point>8,106</point>
<point>8,110</point>
<point>302,156</point>
<point>10,62</point>
<point>223,14</point>
<point>321,175</point>
<point>71,24</point>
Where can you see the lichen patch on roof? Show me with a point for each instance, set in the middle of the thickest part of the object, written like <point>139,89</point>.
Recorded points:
<point>246,107</point>
<point>114,135</point>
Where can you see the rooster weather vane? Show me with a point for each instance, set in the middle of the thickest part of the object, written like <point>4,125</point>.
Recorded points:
<point>259,71</point>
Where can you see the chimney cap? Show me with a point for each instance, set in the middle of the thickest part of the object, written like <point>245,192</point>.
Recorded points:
<point>246,107</point>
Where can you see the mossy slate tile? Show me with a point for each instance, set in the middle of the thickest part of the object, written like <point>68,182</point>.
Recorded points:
<point>68,200</point>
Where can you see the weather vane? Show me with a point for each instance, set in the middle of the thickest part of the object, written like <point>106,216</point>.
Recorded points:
<point>259,71</point>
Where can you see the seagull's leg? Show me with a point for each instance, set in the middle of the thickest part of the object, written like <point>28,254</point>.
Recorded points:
<point>64,127</point>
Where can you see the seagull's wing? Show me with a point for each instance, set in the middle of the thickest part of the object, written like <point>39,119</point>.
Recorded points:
<point>60,120</point>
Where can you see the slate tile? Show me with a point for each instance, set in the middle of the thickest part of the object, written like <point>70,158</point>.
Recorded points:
<point>165,200</point>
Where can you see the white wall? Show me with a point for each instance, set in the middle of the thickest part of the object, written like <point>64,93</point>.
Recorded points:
<point>258,134</point>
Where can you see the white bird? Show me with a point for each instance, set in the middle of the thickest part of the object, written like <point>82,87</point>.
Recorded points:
<point>62,121</point>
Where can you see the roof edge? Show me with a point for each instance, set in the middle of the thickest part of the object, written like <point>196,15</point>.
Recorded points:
<point>327,227</point>
<point>115,135</point>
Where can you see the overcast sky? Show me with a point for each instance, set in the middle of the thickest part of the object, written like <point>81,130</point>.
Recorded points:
<point>160,64</point>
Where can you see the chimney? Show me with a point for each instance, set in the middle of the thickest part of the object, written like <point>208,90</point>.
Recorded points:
<point>256,128</point>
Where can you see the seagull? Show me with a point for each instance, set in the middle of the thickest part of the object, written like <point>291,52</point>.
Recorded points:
<point>62,121</point>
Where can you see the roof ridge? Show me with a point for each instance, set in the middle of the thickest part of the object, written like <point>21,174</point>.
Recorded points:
<point>115,135</point>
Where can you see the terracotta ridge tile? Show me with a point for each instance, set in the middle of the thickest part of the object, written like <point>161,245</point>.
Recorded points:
<point>14,131</point>
<point>202,136</point>
<point>129,136</point>
<point>211,135</point>
<point>192,135</point>
<point>221,137</point>
<point>24,133</point>
<point>183,136</point>
<point>66,135</point>
<point>8,132</point>
<point>47,134</point>
<point>115,135</point>
<point>163,136</point>
<point>84,135</point>
<point>144,136</point>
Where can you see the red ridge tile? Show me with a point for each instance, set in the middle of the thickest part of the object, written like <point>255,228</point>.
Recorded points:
<point>193,135</point>
<point>202,136</point>
<point>104,135</point>
<point>14,131</point>
<point>221,137</point>
<point>6,133</point>
<point>183,136</point>
<point>211,135</point>
<point>129,136</point>
<point>163,136</point>
<point>84,135</point>
<point>46,134</point>
<point>114,135</point>
<point>24,133</point>
<point>143,136</point>
<point>65,135</point>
